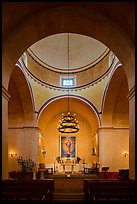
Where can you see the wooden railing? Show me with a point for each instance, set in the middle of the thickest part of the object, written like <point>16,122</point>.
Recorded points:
<point>104,190</point>
<point>27,189</point>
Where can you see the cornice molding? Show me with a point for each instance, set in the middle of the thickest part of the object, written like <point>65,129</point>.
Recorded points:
<point>113,128</point>
<point>23,127</point>
<point>5,93</point>
<point>74,70</point>
<point>85,83</point>
<point>131,93</point>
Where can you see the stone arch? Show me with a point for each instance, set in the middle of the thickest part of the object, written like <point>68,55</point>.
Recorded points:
<point>69,19</point>
<point>57,105</point>
<point>115,100</point>
<point>48,121</point>
<point>75,98</point>
<point>21,99</point>
<point>21,118</point>
<point>30,28</point>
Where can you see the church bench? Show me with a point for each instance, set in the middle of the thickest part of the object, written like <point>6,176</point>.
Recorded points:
<point>109,189</point>
<point>27,189</point>
<point>29,175</point>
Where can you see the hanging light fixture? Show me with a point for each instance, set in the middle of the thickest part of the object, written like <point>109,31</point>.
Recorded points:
<point>68,123</point>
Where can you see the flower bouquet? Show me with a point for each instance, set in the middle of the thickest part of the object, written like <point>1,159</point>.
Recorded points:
<point>27,165</point>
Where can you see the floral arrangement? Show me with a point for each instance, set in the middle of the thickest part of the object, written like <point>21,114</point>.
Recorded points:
<point>78,159</point>
<point>27,165</point>
<point>58,159</point>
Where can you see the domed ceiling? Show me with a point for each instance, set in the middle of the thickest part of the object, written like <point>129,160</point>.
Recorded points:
<point>83,57</point>
<point>52,51</point>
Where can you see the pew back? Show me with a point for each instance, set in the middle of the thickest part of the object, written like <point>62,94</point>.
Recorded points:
<point>27,189</point>
<point>109,189</point>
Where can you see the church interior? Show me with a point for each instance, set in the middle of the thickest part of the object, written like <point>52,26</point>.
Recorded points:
<point>68,97</point>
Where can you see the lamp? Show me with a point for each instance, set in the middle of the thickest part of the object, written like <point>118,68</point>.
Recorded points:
<point>12,154</point>
<point>68,123</point>
<point>43,151</point>
<point>125,154</point>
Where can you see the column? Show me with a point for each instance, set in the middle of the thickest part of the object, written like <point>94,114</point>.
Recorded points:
<point>131,98</point>
<point>5,99</point>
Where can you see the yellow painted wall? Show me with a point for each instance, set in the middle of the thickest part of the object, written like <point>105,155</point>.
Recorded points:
<point>23,142</point>
<point>112,144</point>
<point>96,148</point>
<point>83,140</point>
<point>93,93</point>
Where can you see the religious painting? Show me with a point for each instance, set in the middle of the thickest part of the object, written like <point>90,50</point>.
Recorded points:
<point>68,146</point>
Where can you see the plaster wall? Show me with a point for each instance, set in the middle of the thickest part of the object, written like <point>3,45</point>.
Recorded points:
<point>93,93</point>
<point>83,140</point>
<point>23,142</point>
<point>95,145</point>
<point>84,77</point>
<point>4,138</point>
<point>112,144</point>
<point>132,135</point>
<point>14,30</point>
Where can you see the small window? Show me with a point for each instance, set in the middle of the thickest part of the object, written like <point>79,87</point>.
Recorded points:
<point>67,82</point>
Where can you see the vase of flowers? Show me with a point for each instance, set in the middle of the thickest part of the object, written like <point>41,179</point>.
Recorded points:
<point>27,165</point>
<point>58,159</point>
<point>78,159</point>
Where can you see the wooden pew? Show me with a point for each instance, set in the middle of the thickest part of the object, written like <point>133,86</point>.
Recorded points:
<point>28,189</point>
<point>104,190</point>
<point>29,175</point>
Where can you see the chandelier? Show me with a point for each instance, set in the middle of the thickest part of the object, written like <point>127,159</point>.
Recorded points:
<point>68,122</point>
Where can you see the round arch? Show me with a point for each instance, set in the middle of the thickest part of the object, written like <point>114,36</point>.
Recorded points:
<point>78,105</point>
<point>50,115</point>
<point>35,24</point>
<point>115,100</point>
<point>21,96</point>
<point>77,99</point>
<point>68,19</point>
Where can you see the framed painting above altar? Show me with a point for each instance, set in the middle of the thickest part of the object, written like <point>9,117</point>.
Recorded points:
<point>68,146</point>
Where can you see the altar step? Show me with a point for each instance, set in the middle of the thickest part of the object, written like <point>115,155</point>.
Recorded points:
<point>68,197</point>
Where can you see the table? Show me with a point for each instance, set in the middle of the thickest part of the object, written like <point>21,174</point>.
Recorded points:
<point>68,167</point>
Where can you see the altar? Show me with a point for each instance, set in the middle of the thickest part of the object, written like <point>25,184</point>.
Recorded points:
<point>64,167</point>
<point>69,167</point>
